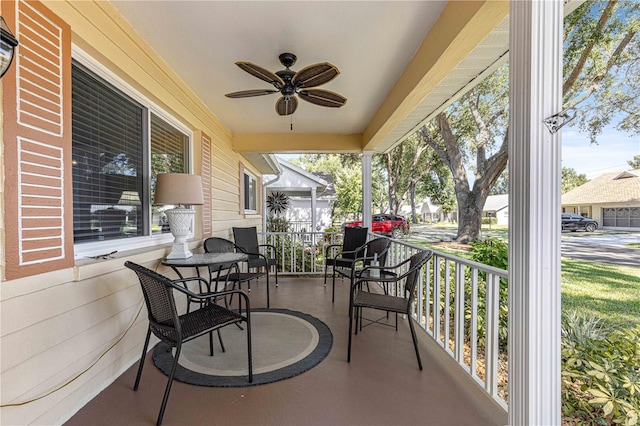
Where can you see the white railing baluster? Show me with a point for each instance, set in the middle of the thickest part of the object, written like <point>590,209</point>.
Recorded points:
<point>491,338</point>
<point>447,307</point>
<point>436,301</point>
<point>459,314</point>
<point>474,323</point>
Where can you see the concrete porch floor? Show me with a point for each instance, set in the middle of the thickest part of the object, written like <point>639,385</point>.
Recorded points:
<point>381,386</point>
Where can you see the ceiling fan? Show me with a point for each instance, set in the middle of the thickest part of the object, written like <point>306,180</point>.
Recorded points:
<point>289,83</point>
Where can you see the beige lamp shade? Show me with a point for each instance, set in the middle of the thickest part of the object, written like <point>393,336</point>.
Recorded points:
<point>178,189</point>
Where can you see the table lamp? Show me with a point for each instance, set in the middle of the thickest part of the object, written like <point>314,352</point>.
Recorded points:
<point>179,189</point>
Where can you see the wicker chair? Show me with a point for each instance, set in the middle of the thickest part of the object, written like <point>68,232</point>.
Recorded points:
<point>246,240</point>
<point>377,248</point>
<point>359,299</point>
<point>174,329</point>
<point>341,256</point>
<point>229,272</point>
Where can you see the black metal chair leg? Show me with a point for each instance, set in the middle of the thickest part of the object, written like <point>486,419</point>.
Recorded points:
<point>333,288</point>
<point>168,389</point>
<point>415,340</point>
<point>144,354</point>
<point>268,302</point>
<point>220,339</point>
<point>249,353</point>
<point>351,331</point>
<point>326,268</point>
<point>276,268</point>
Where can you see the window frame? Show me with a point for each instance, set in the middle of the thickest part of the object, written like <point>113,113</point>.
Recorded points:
<point>251,176</point>
<point>88,249</point>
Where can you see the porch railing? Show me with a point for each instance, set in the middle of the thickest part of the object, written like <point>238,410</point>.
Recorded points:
<point>461,304</point>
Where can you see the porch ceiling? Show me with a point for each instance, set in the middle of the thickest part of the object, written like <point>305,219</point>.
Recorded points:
<point>400,62</point>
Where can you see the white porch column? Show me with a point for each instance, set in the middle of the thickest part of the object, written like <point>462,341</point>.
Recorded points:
<point>534,213</point>
<point>314,220</point>
<point>367,199</point>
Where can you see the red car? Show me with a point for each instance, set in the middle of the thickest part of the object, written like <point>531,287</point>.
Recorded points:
<point>386,224</point>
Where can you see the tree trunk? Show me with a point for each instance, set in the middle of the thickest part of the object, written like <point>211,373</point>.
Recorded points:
<point>470,205</point>
<point>412,196</point>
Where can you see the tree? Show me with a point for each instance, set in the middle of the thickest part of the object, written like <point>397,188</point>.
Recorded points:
<point>472,127</point>
<point>348,184</point>
<point>601,75</point>
<point>635,163</point>
<point>406,166</point>
<point>571,179</point>
<point>502,184</point>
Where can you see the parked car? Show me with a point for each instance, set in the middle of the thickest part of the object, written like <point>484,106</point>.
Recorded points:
<point>386,224</point>
<point>573,222</point>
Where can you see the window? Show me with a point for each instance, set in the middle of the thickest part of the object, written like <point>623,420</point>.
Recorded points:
<point>250,193</point>
<point>119,146</point>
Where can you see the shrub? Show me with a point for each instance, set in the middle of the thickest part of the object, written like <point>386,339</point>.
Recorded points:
<point>493,252</point>
<point>600,373</point>
<point>277,224</point>
<point>489,220</point>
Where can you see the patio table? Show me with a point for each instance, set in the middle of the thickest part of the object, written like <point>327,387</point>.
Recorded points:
<point>213,261</point>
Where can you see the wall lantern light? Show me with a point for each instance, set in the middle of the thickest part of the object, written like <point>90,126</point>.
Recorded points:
<point>8,43</point>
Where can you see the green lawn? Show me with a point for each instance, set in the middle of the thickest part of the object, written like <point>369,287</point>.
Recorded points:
<point>608,292</point>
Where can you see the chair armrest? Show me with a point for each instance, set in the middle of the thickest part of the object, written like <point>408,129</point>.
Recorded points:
<point>270,246</point>
<point>212,295</point>
<point>184,281</point>
<point>355,251</point>
<point>329,247</point>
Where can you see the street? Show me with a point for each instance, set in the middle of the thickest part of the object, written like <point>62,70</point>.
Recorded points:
<point>600,246</point>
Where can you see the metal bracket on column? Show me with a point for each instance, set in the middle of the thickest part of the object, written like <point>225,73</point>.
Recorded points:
<point>557,121</point>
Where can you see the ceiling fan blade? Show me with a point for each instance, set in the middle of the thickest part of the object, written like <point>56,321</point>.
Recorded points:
<point>261,73</point>
<point>250,93</point>
<point>286,106</point>
<point>315,75</point>
<point>323,98</point>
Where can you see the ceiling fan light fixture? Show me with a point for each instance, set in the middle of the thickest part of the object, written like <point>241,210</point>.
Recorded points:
<point>290,83</point>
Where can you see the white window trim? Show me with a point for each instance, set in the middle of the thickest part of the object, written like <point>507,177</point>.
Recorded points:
<point>255,180</point>
<point>85,250</point>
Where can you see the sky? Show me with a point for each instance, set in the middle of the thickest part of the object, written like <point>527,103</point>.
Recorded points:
<point>611,153</point>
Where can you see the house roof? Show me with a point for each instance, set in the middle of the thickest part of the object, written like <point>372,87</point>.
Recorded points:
<point>615,187</point>
<point>329,190</point>
<point>295,181</point>
<point>496,203</point>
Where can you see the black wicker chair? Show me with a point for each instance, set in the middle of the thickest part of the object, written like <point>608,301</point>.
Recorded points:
<point>174,329</point>
<point>229,272</point>
<point>399,304</point>
<point>246,239</point>
<point>341,256</point>
<point>377,249</point>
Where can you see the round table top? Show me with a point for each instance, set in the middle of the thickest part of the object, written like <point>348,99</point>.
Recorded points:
<point>206,259</point>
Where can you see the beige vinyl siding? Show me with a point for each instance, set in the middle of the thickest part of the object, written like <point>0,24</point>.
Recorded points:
<point>57,323</point>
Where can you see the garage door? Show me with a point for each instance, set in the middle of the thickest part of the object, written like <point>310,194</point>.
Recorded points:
<point>623,217</point>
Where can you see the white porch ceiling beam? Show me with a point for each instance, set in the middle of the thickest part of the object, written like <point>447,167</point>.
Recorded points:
<point>534,216</point>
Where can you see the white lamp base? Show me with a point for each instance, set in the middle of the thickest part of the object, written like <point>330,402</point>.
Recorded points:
<point>180,223</point>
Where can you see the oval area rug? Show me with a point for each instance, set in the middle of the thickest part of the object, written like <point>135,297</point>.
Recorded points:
<point>285,344</point>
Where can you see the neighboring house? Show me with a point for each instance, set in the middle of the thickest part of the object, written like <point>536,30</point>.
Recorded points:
<point>427,211</point>
<point>497,206</point>
<point>613,199</point>
<point>311,196</point>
